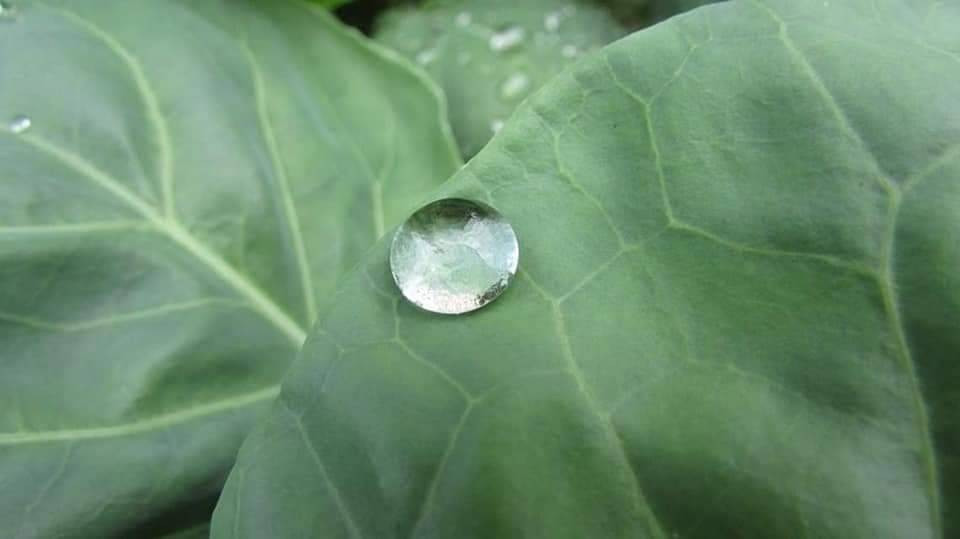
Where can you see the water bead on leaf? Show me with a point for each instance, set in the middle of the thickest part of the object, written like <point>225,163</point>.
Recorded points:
<point>454,256</point>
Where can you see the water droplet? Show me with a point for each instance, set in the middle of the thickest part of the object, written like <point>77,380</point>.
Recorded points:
<point>426,56</point>
<point>7,10</point>
<point>496,126</point>
<point>552,21</point>
<point>454,256</point>
<point>515,86</point>
<point>463,19</point>
<point>19,124</point>
<point>569,51</point>
<point>507,39</point>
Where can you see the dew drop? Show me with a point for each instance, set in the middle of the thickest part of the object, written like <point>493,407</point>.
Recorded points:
<point>454,256</point>
<point>552,21</point>
<point>20,124</point>
<point>569,51</point>
<point>507,39</point>
<point>463,19</point>
<point>7,11</point>
<point>496,126</point>
<point>515,86</point>
<point>426,56</point>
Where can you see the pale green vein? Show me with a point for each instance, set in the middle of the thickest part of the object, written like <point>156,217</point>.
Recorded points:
<point>133,316</point>
<point>428,500</point>
<point>830,260</point>
<point>67,229</point>
<point>151,103</point>
<point>436,369</point>
<point>85,168</point>
<point>349,522</point>
<point>161,421</point>
<point>257,298</point>
<point>567,350</point>
<point>283,186</point>
<point>820,86</point>
<point>571,180</point>
<point>260,301</point>
<point>944,158</point>
<point>892,306</point>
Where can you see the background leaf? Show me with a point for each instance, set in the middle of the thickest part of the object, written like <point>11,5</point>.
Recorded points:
<point>196,178</point>
<point>737,314</point>
<point>488,55</point>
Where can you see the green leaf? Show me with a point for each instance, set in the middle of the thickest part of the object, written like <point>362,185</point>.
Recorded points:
<point>738,311</point>
<point>488,55</point>
<point>196,178</point>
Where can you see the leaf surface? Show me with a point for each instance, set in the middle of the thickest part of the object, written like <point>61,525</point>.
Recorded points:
<point>738,311</point>
<point>196,178</point>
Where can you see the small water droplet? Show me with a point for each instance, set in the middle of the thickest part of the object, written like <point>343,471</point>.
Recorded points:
<point>515,86</point>
<point>496,126</point>
<point>426,56</point>
<point>454,256</point>
<point>507,39</point>
<point>552,21</point>
<point>463,19</point>
<point>7,10</point>
<point>19,124</point>
<point>569,51</point>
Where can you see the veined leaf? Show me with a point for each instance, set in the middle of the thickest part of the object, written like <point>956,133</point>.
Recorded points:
<point>738,311</point>
<point>195,178</point>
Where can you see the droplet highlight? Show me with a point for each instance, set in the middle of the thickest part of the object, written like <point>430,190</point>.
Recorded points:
<point>496,126</point>
<point>8,11</point>
<point>551,22</point>
<point>514,86</point>
<point>454,256</point>
<point>426,57</point>
<point>20,124</point>
<point>507,39</point>
<point>463,19</point>
<point>569,51</point>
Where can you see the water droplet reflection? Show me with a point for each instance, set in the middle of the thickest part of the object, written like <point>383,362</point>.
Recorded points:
<point>20,124</point>
<point>507,39</point>
<point>454,256</point>
<point>515,86</point>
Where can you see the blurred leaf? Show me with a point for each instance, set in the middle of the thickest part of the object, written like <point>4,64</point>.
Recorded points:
<point>196,178</point>
<point>488,55</point>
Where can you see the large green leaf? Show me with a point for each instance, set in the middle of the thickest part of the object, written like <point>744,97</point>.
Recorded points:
<point>197,176</point>
<point>738,311</point>
<point>488,55</point>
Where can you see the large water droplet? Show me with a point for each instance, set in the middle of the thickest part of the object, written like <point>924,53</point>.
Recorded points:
<point>515,86</point>
<point>552,21</point>
<point>569,51</point>
<point>426,56</point>
<point>454,256</point>
<point>19,124</point>
<point>463,19</point>
<point>507,39</point>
